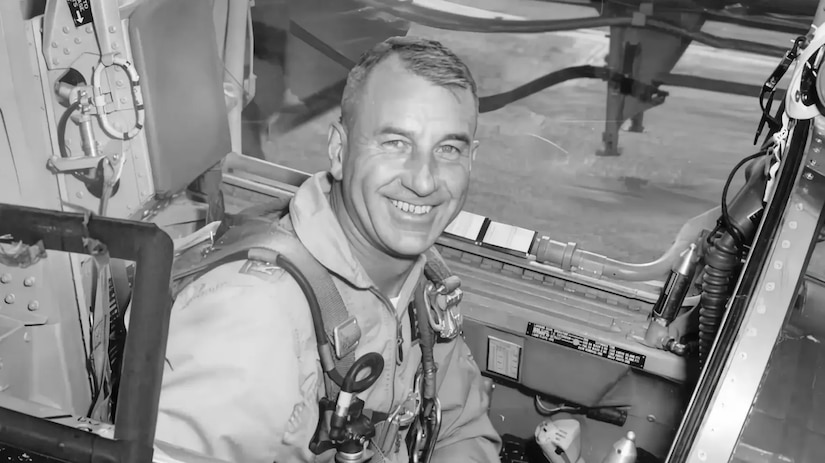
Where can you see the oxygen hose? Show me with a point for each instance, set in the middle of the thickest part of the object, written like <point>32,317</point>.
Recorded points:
<point>724,257</point>
<point>721,263</point>
<point>324,350</point>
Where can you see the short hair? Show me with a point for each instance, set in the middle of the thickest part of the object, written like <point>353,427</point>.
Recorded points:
<point>423,57</point>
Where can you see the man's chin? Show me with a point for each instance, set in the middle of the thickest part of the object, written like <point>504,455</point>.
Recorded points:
<point>410,248</point>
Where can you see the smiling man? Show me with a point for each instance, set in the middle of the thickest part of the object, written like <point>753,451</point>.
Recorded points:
<point>243,378</point>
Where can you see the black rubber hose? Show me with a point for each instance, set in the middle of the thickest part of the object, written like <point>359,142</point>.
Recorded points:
<point>324,350</point>
<point>721,266</point>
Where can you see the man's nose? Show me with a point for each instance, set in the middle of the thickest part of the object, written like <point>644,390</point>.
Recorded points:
<point>421,173</point>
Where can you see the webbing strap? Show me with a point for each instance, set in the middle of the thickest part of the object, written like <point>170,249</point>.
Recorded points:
<point>436,269</point>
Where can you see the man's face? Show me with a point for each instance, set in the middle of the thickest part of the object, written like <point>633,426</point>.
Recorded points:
<point>404,160</point>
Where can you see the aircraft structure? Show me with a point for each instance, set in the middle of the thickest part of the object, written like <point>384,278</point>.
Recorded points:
<point>122,146</point>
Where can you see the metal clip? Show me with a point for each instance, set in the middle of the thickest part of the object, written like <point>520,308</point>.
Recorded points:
<point>426,432</point>
<point>443,311</point>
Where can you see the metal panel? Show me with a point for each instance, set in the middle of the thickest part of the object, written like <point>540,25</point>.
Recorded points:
<point>776,289</point>
<point>186,125</point>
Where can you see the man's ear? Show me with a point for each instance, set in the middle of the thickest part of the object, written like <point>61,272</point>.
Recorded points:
<point>336,145</point>
<point>473,152</point>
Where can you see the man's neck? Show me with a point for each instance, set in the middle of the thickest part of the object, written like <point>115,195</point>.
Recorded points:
<point>388,273</point>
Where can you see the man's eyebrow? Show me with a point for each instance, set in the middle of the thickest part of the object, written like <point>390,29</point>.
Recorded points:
<point>462,137</point>
<point>390,130</point>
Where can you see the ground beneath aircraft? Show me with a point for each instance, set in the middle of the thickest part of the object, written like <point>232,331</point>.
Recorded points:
<point>537,167</point>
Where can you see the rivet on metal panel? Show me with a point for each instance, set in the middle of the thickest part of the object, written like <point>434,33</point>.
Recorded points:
<point>760,308</point>
<point>88,29</point>
<point>743,355</point>
<point>816,149</point>
<point>123,101</point>
<point>809,176</point>
<point>119,82</point>
<point>651,418</point>
<point>65,29</point>
<point>29,281</point>
<point>112,29</point>
<point>9,299</point>
<point>800,206</point>
<point>55,61</point>
<point>813,161</point>
<point>770,286</point>
<point>5,278</point>
<point>34,305</point>
<point>79,194</point>
<point>77,40</point>
<point>54,44</point>
<point>114,46</point>
<point>27,337</point>
<point>786,244</point>
<point>777,265</point>
<point>792,224</point>
<point>702,455</point>
<point>751,331</point>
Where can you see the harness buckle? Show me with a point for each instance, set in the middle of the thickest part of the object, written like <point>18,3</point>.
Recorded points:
<point>442,307</point>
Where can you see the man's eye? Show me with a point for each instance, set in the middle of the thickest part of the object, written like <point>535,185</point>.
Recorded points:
<point>395,144</point>
<point>449,151</point>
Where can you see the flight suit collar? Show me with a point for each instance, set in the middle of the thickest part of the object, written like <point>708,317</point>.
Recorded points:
<point>318,228</point>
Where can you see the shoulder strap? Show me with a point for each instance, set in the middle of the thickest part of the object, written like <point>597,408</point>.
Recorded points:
<point>436,269</point>
<point>263,240</point>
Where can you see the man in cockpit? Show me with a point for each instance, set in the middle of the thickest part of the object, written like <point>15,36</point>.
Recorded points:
<point>243,379</point>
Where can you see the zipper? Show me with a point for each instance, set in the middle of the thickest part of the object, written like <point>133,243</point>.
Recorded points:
<point>398,339</point>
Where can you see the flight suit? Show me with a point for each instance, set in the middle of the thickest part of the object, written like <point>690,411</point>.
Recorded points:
<point>243,379</point>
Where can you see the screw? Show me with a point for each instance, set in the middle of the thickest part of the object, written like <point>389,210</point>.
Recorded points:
<point>29,281</point>
<point>651,418</point>
<point>813,162</point>
<point>5,278</point>
<point>809,176</point>
<point>9,299</point>
<point>34,305</point>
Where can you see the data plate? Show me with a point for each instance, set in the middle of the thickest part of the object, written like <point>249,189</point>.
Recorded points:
<point>582,344</point>
<point>503,357</point>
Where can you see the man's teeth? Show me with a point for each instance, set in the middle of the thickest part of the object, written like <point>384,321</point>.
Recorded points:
<point>411,208</point>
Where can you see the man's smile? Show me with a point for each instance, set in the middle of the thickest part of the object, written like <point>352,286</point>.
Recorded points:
<point>416,209</point>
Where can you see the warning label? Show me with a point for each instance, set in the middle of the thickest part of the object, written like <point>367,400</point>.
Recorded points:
<point>81,12</point>
<point>583,344</point>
